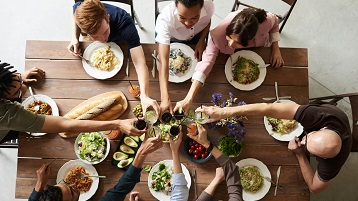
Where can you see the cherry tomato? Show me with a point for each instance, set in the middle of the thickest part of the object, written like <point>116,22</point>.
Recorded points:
<point>206,153</point>
<point>190,143</point>
<point>192,147</point>
<point>196,145</point>
<point>203,155</point>
<point>200,148</point>
<point>196,156</point>
<point>195,152</point>
<point>38,102</point>
<point>190,151</point>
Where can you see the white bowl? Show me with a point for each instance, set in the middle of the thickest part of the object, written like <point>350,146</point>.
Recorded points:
<point>92,162</point>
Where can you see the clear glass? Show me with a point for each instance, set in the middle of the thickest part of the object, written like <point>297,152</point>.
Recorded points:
<point>151,117</point>
<point>154,131</point>
<point>201,117</point>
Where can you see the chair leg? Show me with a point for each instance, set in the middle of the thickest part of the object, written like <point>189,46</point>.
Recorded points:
<point>286,17</point>
<point>137,20</point>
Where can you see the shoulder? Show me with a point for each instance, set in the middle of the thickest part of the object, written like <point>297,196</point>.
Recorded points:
<point>209,7</point>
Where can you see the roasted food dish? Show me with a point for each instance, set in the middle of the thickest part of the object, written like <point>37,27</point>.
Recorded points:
<point>104,59</point>
<point>282,126</point>
<point>81,184</point>
<point>245,71</point>
<point>251,178</point>
<point>44,108</point>
<point>179,63</point>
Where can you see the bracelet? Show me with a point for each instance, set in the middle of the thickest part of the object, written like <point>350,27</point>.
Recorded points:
<point>210,148</point>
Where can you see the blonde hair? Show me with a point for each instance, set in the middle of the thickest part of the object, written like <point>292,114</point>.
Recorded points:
<point>89,16</point>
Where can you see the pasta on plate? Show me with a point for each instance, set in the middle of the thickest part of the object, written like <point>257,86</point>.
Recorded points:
<point>82,184</point>
<point>251,178</point>
<point>104,59</point>
<point>179,63</point>
<point>44,108</point>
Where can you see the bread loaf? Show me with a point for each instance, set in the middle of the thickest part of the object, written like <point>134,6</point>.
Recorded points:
<point>99,109</point>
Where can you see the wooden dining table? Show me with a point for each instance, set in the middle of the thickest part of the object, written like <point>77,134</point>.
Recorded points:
<point>68,84</point>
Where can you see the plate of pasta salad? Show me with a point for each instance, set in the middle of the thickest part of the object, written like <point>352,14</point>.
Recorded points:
<point>106,60</point>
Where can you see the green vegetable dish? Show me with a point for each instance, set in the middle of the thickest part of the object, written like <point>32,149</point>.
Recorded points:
<point>245,71</point>
<point>229,146</point>
<point>282,126</point>
<point>251,178</point>
<point>91,146</point>
<point>161,179</point>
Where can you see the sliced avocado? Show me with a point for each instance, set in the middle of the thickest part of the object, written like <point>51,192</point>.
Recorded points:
<point>136,138</point>
<point>130,142</point>
<point>125,162</point>
<point>142,137</point>
<point>119,156</point>
<point>126,149</point>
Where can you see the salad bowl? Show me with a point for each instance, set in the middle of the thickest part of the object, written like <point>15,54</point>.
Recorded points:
<point>92,147</point>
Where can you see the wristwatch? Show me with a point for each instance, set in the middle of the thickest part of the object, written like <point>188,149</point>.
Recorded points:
<point>210,148</point>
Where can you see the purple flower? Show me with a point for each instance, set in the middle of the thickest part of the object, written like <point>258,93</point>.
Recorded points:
<point>216,98</point>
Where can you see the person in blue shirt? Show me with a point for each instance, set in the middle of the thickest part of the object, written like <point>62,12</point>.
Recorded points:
<point>108,23</point>
<point>67,192</point>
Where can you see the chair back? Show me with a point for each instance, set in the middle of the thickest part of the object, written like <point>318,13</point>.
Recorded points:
<point>156,7</point>
<point>282,18</point>
<point>353,99</point>
<point>10,144</point>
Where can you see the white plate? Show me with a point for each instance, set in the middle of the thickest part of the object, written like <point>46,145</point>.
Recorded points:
<point>43,98</point>
<point>64,170</point>
<point>188,52</point>
<point>158,194</point>
<point>249,55</point>
<point>102,74</point>
<point>264,171</point>
<point>283,137</point>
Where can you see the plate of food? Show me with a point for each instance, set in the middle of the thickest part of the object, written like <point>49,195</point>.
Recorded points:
<point>106,59</point>
<point>87,186</point>
<point>181,62</point>
<point>245,70</point>
<point>47,106</point>
<point>255,177</point>
<point>283,129</point>
<point>159,179</point>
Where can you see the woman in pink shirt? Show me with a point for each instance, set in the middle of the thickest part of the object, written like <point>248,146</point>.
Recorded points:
<point>245,29</point>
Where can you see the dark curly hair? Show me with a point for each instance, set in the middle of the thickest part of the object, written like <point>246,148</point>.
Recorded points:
<point>51,193</point>
<point>190,3</point>
<point>246,24</point>
<point>6,78</point>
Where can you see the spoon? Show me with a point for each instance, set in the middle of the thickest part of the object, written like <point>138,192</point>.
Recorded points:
<point>85,176</point>
<point>37,107</point>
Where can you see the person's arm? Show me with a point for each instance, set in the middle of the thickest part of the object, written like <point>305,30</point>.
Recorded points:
<point>200,46</point>
<point>73,47</point>
<point>275,110</point>
<point>43,175</point>
<point>165,104</point>
<point>56,124</point>
<point>310,176</point>
<point>276,57</point>
<point>141,67</point>
<point>185,104</point>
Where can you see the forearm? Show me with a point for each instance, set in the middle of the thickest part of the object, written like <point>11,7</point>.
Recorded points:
<point>164,70</point>
<point>194,88</point>
<point>307,171</point>
<point>56,124</point>
<point>40,186</point>
<point>176,163</point>
<point>275,47</point>
<point>76,31</point>
<point>204,33</point>
<point>141,68</point>
<point>139,159</point>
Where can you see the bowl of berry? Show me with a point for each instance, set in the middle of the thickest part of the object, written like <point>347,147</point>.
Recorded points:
<point>196,152</point>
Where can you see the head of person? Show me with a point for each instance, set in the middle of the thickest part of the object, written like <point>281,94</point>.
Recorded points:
<point>92,18</point>
<point>243,27</point>
<point>11,84</point>
<point>324,143</point>
<point>189,11</point>
<point>59,192</point>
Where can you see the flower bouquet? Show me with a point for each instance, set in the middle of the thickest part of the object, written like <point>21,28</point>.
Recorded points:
<point>230,144</point>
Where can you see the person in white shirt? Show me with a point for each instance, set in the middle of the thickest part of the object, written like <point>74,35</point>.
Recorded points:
<point>185,21</point>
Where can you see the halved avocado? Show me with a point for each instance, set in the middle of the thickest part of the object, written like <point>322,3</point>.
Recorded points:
<point>136,138</point>
<point>142,137</point>
<point>119,156</point>
<point>126,149</point>
<point>125,162</point>
<point>130,142</point>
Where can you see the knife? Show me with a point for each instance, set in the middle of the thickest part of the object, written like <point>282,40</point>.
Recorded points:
<point>274,98</point>
<point>278,177</point>
<point>276,92</point>
<point>154,63</point>
<point>273,183</point>
<point>127,69</point>
<point>194,180</point>
<point>264,66</point>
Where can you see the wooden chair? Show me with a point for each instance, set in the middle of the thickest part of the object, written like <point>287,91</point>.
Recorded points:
<point>130,3</point>
<point>10,144</point>
<point>156,7</point>
<point>282,18</point>
<point>353,98</point>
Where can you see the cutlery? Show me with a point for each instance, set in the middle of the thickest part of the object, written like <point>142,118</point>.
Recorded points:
<point>127,69</point>
<point>273,98</point>
<point>154,63</point>
<point>276,92</point>
<point>36,107</point>
<point>194,180</point>
<point>278,177</point>
<point>85,176</point>
<point>273,183</point>
<point>31,137</point>
<point>264,66</point>
<point>155,57</point>
<point>86,60</point>
<point>50,163</point>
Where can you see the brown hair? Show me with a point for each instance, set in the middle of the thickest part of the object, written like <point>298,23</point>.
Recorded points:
<point>89,16</point>
<point>246,23</point>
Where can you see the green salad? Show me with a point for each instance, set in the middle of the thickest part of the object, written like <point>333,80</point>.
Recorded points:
<point>163,129</point>
<point>161,179</point>
<point>245,71</point>
<point>228,145</point>
<point>91,146</point>
<point>282,126</point>
<point>251,178</point>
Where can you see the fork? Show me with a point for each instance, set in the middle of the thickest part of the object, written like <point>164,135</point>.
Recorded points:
<point>85,176</point>
<point>86,60</point>
<point>273,183</point>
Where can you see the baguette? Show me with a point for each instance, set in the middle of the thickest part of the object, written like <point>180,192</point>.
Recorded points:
<point>99,109</point>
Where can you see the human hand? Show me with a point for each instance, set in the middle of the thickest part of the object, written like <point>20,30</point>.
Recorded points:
<point>295,146</point>
<point>199,49</point>
<point>26,76</point>
<point>175,144</point>
<point>43,175</point>
<point>148,102</point>
<point>215,113</point>
<point>150,145</point>
<point>134,196</point>
<point>165,105</point>
<point>127,126</point>
<point>219,175</point>
<point>202,137</point>
<point>73,47</point>
<point>184,104</point>
<point>276,58</point>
